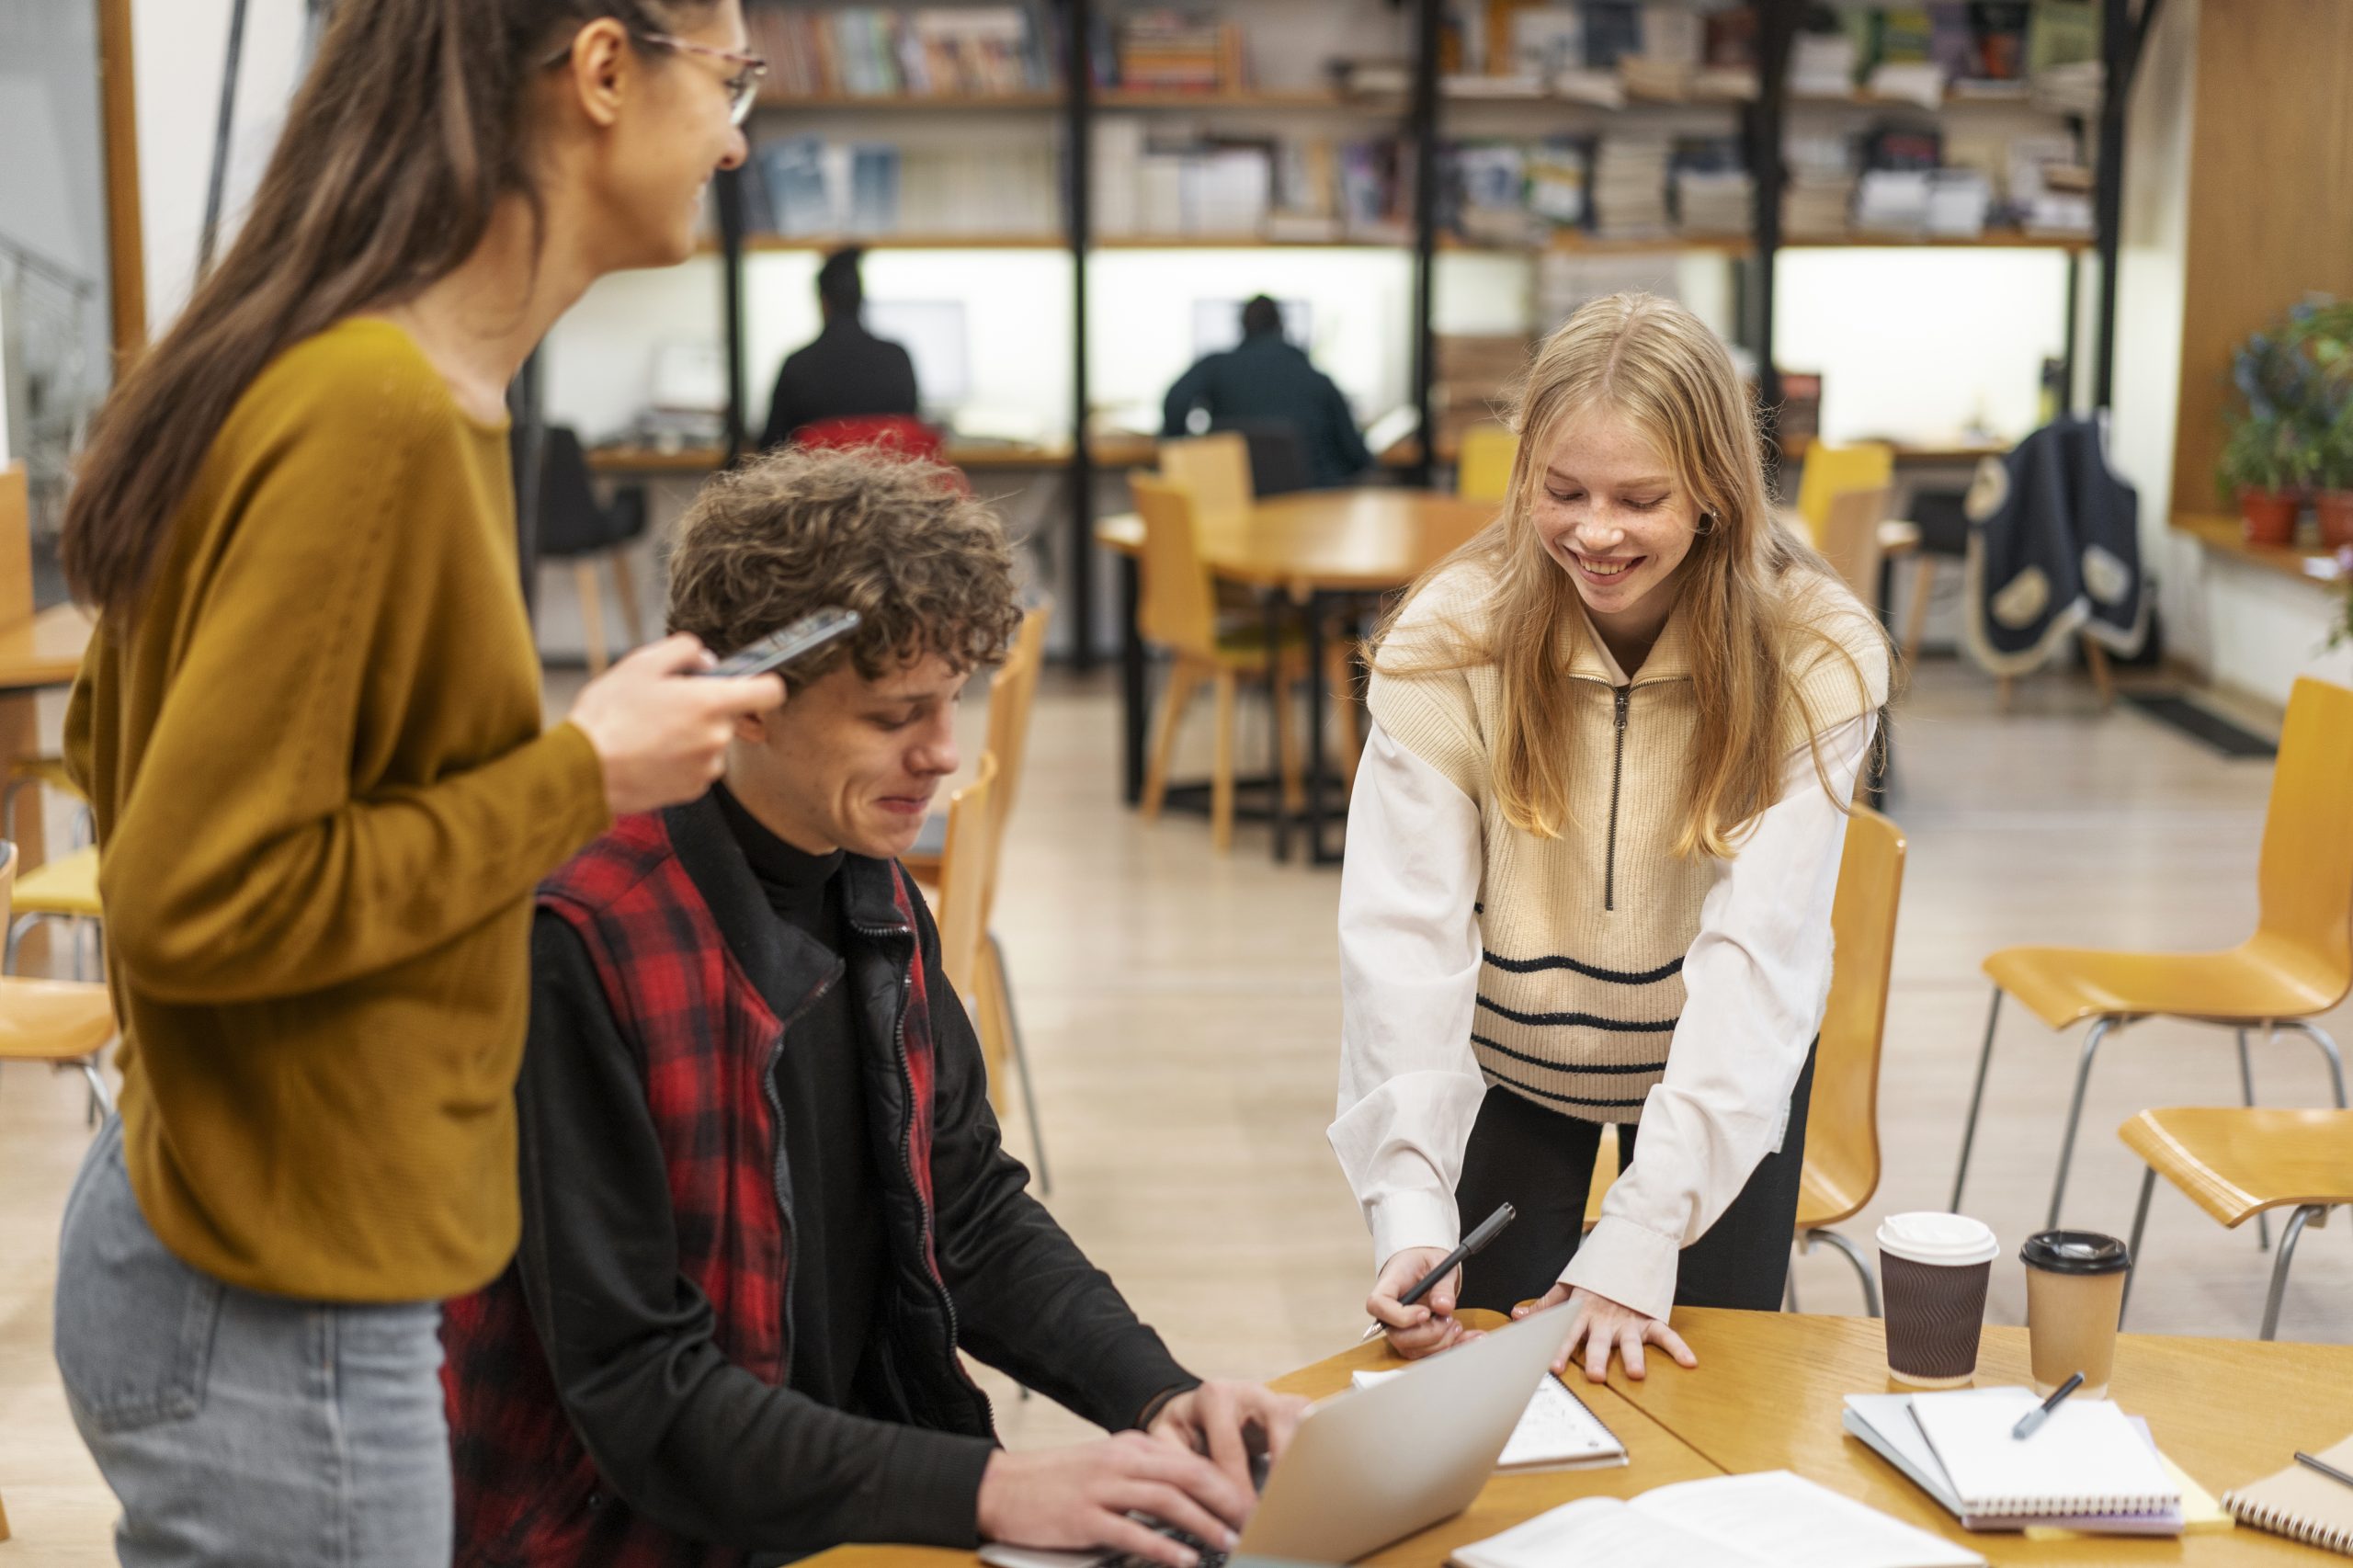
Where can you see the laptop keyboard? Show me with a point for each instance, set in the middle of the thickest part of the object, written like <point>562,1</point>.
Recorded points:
<point>1130,1559</point>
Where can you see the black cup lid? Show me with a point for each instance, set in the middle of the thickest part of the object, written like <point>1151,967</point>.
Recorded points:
<point>2075,1252</point>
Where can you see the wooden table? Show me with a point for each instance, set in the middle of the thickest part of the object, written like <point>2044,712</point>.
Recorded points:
<point>1767,1395</point>
<point>1108,451</point>
<point>1302,549</point>
<point>44,650</point>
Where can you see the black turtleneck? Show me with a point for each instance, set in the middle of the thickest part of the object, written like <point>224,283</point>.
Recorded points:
<point>837,1240</point>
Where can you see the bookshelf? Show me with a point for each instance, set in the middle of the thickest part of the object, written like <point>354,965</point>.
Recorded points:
<point>1040,87</point>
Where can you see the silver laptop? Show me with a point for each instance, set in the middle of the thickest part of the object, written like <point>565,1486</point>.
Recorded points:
<point>1374,1465</point>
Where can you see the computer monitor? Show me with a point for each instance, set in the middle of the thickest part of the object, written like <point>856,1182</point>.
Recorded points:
<point>1217,323</point>
<point>933,333</point>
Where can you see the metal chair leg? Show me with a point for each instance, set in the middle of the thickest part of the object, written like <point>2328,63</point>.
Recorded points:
<point>2132,1247</point>
<point>1021,1065</point>
<point>2076,1114</point>
<point>2288,1235</point>
<point>2247,1093</point>
<point>1853,1255</point>
<point>2319,1036</point>
<point>1976,1099</point>
<point>101,1098</point>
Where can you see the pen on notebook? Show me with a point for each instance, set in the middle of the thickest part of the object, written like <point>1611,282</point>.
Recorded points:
<point>2324,1467</point>
<point>2041,1413</point>
<point>1489,1229</point>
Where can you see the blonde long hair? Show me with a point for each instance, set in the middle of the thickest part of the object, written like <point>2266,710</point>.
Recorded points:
<point>1743,588</point>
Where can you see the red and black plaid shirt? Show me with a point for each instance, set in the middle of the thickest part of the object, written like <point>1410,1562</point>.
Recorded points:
<point>527,1489</point>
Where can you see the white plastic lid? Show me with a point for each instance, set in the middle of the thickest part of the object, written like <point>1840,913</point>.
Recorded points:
<point>1928,1236</point>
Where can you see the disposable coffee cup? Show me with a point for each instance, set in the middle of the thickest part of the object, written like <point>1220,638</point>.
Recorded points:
<point>2075,1293</point>
<point>1933,1269</point>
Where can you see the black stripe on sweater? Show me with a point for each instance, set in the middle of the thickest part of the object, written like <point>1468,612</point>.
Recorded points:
<point>1579,1020</point>
<point>1591,971</point>
<point>1477,1039</point>
<point>1563,1099</point>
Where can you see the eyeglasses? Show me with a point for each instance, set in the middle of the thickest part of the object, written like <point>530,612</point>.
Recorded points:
<point>743,87</point>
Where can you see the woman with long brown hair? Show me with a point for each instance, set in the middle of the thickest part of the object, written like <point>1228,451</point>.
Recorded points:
<point>310,725</point>
<point>1591,857</point>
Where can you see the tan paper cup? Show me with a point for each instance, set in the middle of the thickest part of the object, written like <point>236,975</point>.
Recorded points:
<point>1933,1270</point>
<point>2075,1293</point>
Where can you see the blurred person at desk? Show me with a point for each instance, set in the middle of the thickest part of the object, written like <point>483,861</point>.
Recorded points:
<point>846,373</point>
<point>766,1206</point>
<point>1267,379</point>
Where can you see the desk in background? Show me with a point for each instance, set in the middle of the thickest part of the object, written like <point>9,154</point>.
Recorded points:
<point>1306,549</point>
<point>1767,1395</point>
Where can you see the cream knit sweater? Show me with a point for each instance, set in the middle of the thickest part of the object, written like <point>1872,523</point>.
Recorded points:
<point>1583,937</point>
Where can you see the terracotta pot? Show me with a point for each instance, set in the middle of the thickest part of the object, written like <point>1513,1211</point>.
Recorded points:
<point>2269,516</point>
<point>2335,508</point>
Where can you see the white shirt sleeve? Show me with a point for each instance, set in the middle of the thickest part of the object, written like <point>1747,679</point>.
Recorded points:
<point>1410,1086</point>
<point>1756,981</point>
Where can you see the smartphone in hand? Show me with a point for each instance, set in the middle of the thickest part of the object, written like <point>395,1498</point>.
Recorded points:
<point>806,635</point>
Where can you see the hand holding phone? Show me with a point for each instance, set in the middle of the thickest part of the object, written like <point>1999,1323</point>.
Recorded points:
<point>806,635</point>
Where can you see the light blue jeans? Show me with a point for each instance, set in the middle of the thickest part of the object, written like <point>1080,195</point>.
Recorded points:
<point>243,1429</point>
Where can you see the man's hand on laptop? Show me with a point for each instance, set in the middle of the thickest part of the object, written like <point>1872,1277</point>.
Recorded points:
<point>1217,1419</point>
<point>1076,1497</point>
<point>1428,1325</point>
<point>1604,1326</point>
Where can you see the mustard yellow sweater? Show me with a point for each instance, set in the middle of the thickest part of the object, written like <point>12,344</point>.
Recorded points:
<point>324,798</point>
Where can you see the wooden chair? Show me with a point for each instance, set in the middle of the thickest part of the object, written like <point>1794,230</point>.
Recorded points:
<point>1177,613</point>
<point>1483,463</point>
<point>1842,1159</point>
<point>576,527</point>
<point>65,1023</point>
<point>2298,965</point>
<point>1214,469</point>
<point>1849,538</point>
<point>65,889</point>
<point>1830,471</point>
<point>963,881</point>
<point>2234,1162</point>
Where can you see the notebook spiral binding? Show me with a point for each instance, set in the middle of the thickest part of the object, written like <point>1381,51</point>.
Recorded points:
<point>2284,1522</point>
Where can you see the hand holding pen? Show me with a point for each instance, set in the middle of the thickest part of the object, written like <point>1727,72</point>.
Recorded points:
<point>1435,1278</point>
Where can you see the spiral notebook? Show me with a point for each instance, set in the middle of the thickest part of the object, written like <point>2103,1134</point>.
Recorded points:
<point>2300,1504</point>
<point>2086,1459</point>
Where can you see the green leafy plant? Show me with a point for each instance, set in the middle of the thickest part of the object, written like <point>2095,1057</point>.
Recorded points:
<point>2266,451</point>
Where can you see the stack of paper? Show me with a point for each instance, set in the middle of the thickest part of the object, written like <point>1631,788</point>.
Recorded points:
<point>1822,65</point>
<point>1630,187</point>
<point>2088,1467</point>
<point>1820,184</point>
<point>1958,202</point>
<point>1892,202</point>
<point>1727,1522</point>
<point>1556,1432</point>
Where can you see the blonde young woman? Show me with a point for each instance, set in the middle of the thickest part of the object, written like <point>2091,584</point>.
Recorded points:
<point>1591,858</point>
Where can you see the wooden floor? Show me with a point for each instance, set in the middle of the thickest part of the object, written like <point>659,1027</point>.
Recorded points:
<point>1182,1017</point>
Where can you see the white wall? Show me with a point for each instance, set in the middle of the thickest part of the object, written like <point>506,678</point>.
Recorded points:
<point>178,49</point>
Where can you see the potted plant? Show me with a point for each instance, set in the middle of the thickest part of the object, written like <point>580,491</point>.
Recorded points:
<point>2333,478</point>
<point>2265,461</point>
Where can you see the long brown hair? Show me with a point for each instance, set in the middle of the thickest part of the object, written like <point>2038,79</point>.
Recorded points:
<point>1757,600</point>
<point>410,129</point>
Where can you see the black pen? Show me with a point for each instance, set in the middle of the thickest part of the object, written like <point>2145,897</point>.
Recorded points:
<point>2324,1467</point>
<point>2035,1417</point>
<point>1489,1229</point>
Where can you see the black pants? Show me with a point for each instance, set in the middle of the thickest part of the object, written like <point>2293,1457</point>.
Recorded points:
<point>1541,1163</point>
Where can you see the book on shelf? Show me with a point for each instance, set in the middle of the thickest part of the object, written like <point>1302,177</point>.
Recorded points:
<point>1168,50</point>
<point>887,52</point>
<point>1715,195</point>
<point>813,188</point>
<point>1149,182</point>
<point>1629,187</point>
<point>2047,49</point>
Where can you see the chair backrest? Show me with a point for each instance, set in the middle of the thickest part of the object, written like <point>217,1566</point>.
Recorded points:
<point>571,521</point>
<point>1012,697</point>
<point>1849,538</point>
<point>1178,607</point>
<point>8,879</point>
<point>1215,469</point>
<point>1483,464</point>
<point>2305,879</point>
<point>15,545</point>
<point>1866,465</point>
<point>1277,454</point>
<point>1842,1118</point>
<point>964,879</point>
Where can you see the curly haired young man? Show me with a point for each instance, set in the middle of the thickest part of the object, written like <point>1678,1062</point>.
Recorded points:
<point>764,1201</point>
